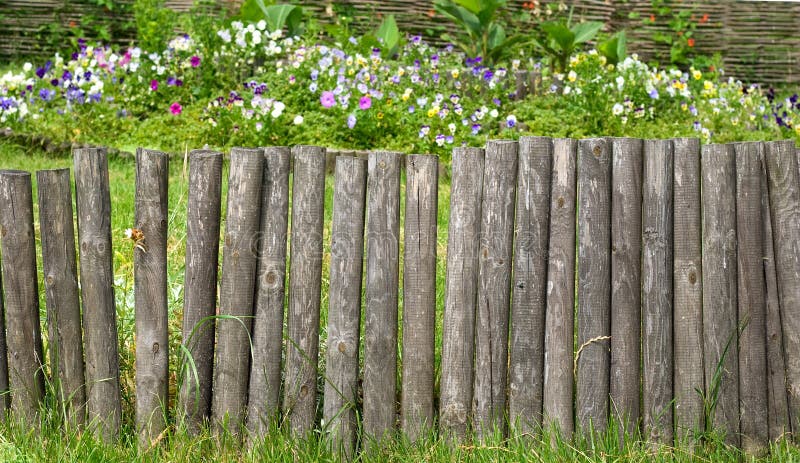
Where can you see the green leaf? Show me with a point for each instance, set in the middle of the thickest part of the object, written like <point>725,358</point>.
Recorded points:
<point>475,6</point>
<point>559,33</point>
<point>461,16</point>
<point>585,32</point>
<point>497,35</point>
<point>283,14</point>
<point>389,33</point>
<point>614,48</point>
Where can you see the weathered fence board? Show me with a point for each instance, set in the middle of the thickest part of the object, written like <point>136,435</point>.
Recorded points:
<point>60,269</point>
<point>529,293</point>
<point>721,364</point>
<point>557,403</point>
<point>4,392</point>
<point>383,261</point>
<point>263,400</point>
<point>305,282</point>
<point>93,207</point>
<point>461,286</point>
<point>494,285</point>
<point>419,295</point>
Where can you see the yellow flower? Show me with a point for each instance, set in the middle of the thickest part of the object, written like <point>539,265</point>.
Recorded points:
<point>572,76</point>
<point>379,115</point>
<point>697,74</point>
<point>455,73</point>
<point>610,67</point>
<point>401,72</point>
<point>684,106</point>
<point>388,103</point>
<point>708,85</point>
<point>796,129</point>
<point>433,111</point>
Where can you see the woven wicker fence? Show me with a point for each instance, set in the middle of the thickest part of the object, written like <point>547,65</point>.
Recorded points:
<point>757,39</point>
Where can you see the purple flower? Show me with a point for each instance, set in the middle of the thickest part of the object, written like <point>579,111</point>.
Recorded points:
<point>351,121</point>
<point>314,74</point>
<point>170,81</point>
<point>95,97</point>
<point>66,76</point>
<point>179,83</point>
<point>487,75</point>
<point>194,61</point>
<point>496,101</point>
<point>328,99</point>
<point>87,75</point>
<point>154,85</point>
<point>653,94</point>
<point>475,129</point>
<point>696,125</point>
<point>7,103</point>
<point>364,103</point>
<point>54,82</point>
<point>46,94</point>
<point>411,109</point>
<point>693,110</point>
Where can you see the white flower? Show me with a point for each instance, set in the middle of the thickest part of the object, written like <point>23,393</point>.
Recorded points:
<point>617,109</point>
<point>493,113</point>
<point>261,25</point>
<point>620,83</point>
<point>27,67</point>
<point>277,109</point>
<point>298,119</point>
<point>225,35</point>
<point>567,90</point>
<point>452,128</point>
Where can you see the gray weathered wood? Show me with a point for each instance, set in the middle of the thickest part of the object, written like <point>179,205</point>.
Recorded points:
<point>494,287</point>
<point>305,280</point>
<point>532,225</point>
<point>93,207</point>
<point>4,392</point>
<point>237,289</point>
<point>594,289</point>
<point>687,283</point>
<point>719,288</point>
<point>657,334</point>
<point>344,312</point>
<point>21,291</point>
<point>61,291</point>
<point>784,197</point>
<point>751,298</point>
<point>461,286</point>
<point>419,295</point>
<point>626,248</point>
<point>150,295</point>
<point>200,286</point>
<point>557,404</point>
<point>380,336</point>
<point>265,372</point>
<point>778,411</point>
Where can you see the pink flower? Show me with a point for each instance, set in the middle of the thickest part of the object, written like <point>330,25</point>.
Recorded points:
<point>327,99</point>
<point>195,61</point>
<point>154,85</point>
<point>364,103</point>
<point>175,108</point>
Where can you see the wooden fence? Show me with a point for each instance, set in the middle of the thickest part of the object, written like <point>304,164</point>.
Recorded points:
<point>679,264</point>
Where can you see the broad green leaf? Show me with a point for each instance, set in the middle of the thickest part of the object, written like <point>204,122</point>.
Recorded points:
<point>474,6</point>
<point>389,33</point>
<point>461,16</point>
<point>586,31</point>
<point>282,15</point>
<point>497,35</point>
<point>559,33</point>
<point>253,10</point>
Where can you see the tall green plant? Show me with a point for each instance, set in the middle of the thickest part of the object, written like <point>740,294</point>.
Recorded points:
<point>277,16</point>
<point>559,39</point>
<point>484,34</point>
<point>155,24</point>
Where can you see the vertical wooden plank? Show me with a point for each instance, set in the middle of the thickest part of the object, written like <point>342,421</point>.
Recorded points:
<point>594,284</point>
<point>4,392</point>
<point>626,249</point>
<point>461,287</point>
<point>784,196</point>
<point>21,291</point>
<point>150,294</point>
<point>778,412</point>
<point>657,363</point>
<point>419,294</point>
<point>237,289</point>
<point>688,288</point>
<point>532,224</point>
<point>93,207</point>
<point>494,287</point>
<point>265,373</point>
<point>61,291</point>
<point>305,282</point>
<point>721,364</point>
<point>380,336</point>
<point>557,404</point>
<point>344,312</point>
<point>751,296</point>
<point>200,286</point>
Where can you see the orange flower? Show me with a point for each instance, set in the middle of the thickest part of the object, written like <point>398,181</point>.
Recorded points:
<point>704,19</point>
<point>690,42</point>
<point>431,13</point>
<point>652,18</point>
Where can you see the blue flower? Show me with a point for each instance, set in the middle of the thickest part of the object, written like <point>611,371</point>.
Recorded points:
<point>46,94</point>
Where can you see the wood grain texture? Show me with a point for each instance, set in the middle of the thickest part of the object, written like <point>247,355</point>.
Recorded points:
<point>60,270</point>
<point>688,288</point>
<point>93,207</point>
<point>461,286</point>
<point>380,336</point>
<point>344,311</point>
<point>263,400</point>
<point>557,403</point>
<point>594,284</point>
<point>494,287</point>
<point>657,334</point>
<point>200,287</point>
<point>237,289</point>
<point>21,292</point>
<point>419,295</point>
<point>719,287</point>
<point>529,293</point>
<point>626,253</point>
<point>784,196</point>
<point>305,282</point>
<point>5,399</point>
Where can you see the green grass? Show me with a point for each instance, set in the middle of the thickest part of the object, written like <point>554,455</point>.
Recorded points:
<point>50,442</point>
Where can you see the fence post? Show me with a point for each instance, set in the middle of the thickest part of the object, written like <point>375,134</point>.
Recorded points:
<point>237,289</point>
<point>784,198</point>
<point>4,391</point>
<point>626,296</point>
<point>265,372</point>
<point>200,286</point>
<point>61,289</point>
<point>93,207</point>
<point>344,313</point>
<point>305,280</point>
<point>458,325</point>
<point>532,224</point>
<point>419,294</point>
<point>657,334</point>
<point>21,291</point>
<point>150,294</point>
<point>719,287</point>
<point>557,404</point>
<point>594,285</point>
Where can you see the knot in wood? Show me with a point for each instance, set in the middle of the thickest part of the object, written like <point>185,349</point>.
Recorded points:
<point>560,202</point>
<point>597,150</point>
<point>692,277</point>
<point>342,347</point>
